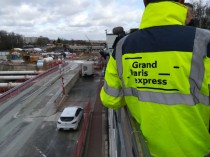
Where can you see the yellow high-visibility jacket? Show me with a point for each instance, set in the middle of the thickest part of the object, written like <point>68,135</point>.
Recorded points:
<point>207,68</point>
<point>159,73</point>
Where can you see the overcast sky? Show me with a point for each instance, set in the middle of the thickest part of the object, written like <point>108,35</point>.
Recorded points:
<point>69,19</point>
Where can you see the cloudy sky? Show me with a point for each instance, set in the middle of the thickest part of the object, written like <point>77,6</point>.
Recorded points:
<point>69,19</point>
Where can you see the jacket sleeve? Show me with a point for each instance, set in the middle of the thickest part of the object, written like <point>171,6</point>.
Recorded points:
<point>111,93</point>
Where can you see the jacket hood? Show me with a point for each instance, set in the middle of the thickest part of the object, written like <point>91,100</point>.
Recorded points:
<point>163,13</point>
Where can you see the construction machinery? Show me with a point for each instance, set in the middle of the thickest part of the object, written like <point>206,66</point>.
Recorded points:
<point>19,54</point>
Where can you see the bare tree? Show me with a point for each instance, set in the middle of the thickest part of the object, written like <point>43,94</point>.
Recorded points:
<point>202,13</point>
<point>42,41</point>
<point>10,40</point>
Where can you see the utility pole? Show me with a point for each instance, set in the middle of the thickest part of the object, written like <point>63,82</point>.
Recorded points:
<point>62,78</point>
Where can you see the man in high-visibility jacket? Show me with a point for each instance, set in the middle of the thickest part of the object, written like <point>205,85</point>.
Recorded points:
<point>159,73</point>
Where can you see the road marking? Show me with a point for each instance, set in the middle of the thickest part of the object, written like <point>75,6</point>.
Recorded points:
<point>40,151</point>
<point>16,115</point>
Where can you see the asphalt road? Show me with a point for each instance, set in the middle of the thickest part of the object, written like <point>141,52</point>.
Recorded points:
<point>28,120</point>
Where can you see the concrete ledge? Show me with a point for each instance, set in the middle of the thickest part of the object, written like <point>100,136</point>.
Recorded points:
<point>61,97</point>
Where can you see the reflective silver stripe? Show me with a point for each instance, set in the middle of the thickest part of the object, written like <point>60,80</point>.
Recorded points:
<point>202,38</point>
<point>167,98</point>
<point>118,56</point>
<point>196,73</point>
<point>115,92</point>
<point>164,98</point>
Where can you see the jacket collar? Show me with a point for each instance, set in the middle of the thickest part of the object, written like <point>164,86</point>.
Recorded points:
<point>163,13</point>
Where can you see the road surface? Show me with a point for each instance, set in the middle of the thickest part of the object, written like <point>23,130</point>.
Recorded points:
<point>28,120</point>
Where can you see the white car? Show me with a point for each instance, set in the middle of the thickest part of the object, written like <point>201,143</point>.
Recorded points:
<point>70,118</point>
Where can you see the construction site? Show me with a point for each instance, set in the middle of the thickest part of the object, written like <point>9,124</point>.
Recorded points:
<point>36,88</point>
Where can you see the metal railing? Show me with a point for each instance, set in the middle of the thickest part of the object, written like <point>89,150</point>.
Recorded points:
<point>78,151</point>
<point>20,88</point>
<point>141,148</point>
<point>125,136</point>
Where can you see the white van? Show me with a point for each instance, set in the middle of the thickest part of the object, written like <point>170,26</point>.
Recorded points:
<point>88,68</point>
<point>70,118</point>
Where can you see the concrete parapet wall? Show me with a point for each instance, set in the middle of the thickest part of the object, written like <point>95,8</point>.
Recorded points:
<point>71,82</point>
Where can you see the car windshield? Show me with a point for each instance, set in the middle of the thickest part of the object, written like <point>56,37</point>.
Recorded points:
<point>66,119</point>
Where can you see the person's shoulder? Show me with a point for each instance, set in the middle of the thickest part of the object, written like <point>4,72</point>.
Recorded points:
<point>133,35</point>
<point>203,32</point>
<point>202,29</point>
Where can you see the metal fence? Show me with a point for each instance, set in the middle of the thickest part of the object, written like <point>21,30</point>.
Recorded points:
<point>82,137</point>
<point>18,89</point>
<point>125,136</point>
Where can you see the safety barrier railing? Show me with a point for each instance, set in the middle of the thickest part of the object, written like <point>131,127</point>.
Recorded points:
<point>78,151</point>
<point>125,136</point>
<point>28,83</point>
<point>140,148</point>
<point>24,85</point>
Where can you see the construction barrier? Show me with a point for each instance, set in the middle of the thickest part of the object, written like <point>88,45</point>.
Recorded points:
<point>98,65</point>
<point>82,137</point>
<point>18,89</point>
<point>24,85</point>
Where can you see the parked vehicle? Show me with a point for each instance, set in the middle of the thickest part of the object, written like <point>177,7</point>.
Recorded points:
<point>88,68</point>
<point>70,118</point>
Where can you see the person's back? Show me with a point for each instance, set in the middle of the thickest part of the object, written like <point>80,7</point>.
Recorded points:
<point>158,72</point>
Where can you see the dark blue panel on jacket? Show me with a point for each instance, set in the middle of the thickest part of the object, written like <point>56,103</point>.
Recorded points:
<point>208,50</point>
<point>160,39</point>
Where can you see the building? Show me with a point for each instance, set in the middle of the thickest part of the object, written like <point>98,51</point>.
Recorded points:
<point>30,40</point>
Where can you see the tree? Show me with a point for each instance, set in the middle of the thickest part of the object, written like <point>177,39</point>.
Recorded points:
<point>42,41</point>
<point>59,40</point>
<point>10,40</point>
<point>202,14</point>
